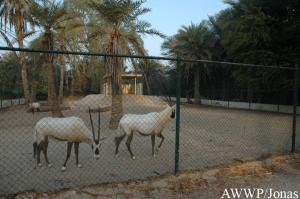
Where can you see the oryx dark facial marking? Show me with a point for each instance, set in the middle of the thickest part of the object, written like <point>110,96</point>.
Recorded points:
<point>173,114</point>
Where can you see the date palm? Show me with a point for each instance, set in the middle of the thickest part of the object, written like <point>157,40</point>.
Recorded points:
<point>48,15</point>
<point>121,32</point>
<point>195,41</point>
<point>16,14</point>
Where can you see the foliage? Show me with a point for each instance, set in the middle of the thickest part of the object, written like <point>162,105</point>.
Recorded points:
<point>249,31</point>
<point>10,76</point>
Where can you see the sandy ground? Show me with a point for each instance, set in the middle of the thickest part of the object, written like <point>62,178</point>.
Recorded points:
<point>279,173</point>
<point>209,137</point>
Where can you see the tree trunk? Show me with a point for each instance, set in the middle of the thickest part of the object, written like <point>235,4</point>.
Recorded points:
<point>117,103</point>
<point>23,66</point>
<point>100,86</point>
<point>55,106</point>
<point>34,84</point>
<point>62,74</point>
<point>147,83</point>
<point>249,86</point>
<point>52,94</point>
<point>116,83</point>
<point>197,85</point>
<point>67,85</point>
<point>188,90</point>
<point>49,91</point>
<point>72,81</point>
<point>188,96</point>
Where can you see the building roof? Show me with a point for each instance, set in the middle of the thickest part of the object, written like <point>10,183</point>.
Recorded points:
<point>130,75</point>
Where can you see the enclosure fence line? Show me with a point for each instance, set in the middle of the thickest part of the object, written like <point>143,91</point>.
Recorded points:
<point>142,57</point>
<point>178,61</point>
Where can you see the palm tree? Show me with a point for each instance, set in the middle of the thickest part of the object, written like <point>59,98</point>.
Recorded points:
<point>121,32</point>
<point>49,15</point>
<point>8,41</point>
<point>192,42</point>
<point>17,14</point>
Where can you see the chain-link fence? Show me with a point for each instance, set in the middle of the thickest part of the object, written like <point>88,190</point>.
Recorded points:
<point>228,112</point>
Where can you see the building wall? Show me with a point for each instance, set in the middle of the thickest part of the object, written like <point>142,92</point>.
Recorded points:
<point>128,88</point>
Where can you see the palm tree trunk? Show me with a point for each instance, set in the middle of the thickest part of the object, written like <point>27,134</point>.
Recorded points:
<point>55,106</point>
<point>23,67</point>
<point>117,103</point>
<point>197,85</point>
<point>147,82</point>
<point>52,94</point>
<point>72,86</point>
<point>67,85</point>
<point>34,84</point>
<point>62,73</point>
<point>188,90</point>
<point>116,83</point>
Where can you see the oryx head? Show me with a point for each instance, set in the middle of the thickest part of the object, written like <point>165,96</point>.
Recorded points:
<point>172,105</point>
<point>97,141</point>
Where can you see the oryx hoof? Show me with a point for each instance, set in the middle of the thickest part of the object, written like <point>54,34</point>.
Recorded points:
<point>39,164</point>
<point>49,165</point>
<point>116,155</point>
<point>63,169</point>
<point>154,155</point>
<point>79,165</point>
<point>133,157</point>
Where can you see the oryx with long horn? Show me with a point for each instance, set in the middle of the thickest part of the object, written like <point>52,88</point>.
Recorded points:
<point>70,129</point>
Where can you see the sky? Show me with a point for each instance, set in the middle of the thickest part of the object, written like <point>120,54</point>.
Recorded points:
<point>168,16</point>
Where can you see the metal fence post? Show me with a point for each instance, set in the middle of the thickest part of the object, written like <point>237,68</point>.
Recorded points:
<point>178,96</point>
<point>296,73</point>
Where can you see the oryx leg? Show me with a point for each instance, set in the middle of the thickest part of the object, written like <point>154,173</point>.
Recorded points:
<point>38,158</point>
<point>128,144</point>
<point>161,141</point>
<point>69,148</point>
<point>45,151</point>
<point>153,144</point>
<point>34,149</point>
<point>76,148</point>
<point>118,140</point>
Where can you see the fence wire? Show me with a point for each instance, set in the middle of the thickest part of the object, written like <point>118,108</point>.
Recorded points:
<point>227,114</point>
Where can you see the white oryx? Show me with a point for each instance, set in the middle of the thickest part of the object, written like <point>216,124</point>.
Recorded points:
<point>151,124</point>
<point>34,107</point>
<point>70,129</point>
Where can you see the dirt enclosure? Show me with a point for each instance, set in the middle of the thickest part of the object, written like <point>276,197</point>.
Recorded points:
<point>209,137</point>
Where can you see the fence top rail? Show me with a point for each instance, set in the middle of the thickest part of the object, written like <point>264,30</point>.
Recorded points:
<point>143,57</point>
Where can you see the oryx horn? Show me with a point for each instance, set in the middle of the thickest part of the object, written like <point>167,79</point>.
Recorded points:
<point>92,124</point>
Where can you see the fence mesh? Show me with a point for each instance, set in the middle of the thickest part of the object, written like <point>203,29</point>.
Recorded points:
<point>228,113</point>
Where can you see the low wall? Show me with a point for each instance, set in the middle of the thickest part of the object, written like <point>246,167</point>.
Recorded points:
<point>246,105</point>
<point>252,106</point>
<point>11,102</point>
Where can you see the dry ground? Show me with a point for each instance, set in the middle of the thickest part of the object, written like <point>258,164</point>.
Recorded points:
<point>209,137</point>
<point>280,173</point>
